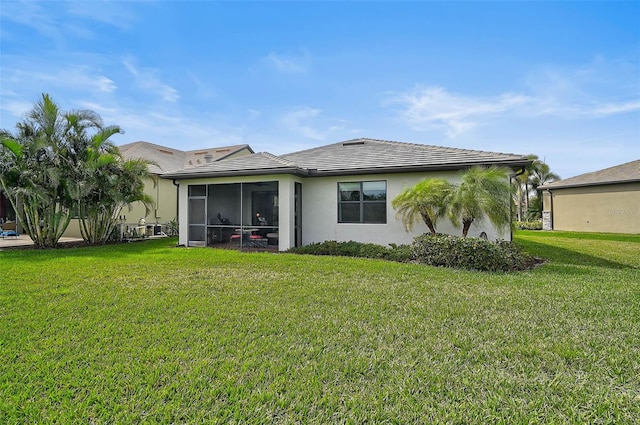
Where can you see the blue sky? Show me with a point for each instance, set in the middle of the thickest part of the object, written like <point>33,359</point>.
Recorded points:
<point>557,79</point>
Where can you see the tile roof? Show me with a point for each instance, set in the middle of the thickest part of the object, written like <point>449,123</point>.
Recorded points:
<point>258,163</point>
<point>167,159</point>
<point>624,173</point>
<point>357,156</point>
<point>385,155</point>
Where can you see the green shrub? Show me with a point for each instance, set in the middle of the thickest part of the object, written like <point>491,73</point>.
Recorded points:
<point>439,250</point>
<point>529,225</point>
<point>400,253</point>
<point>469,253</point>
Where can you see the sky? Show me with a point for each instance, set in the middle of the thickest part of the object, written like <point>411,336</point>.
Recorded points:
<point>557,79</point>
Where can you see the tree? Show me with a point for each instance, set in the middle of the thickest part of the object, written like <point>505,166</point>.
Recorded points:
<point>534,175</point>
<point>34,170</point>
<point>541,175</point>
<point>104,183</point>
<point>58,163</point>
<point>422,201</point>
<point>113,184</point>
<point>483,192</point>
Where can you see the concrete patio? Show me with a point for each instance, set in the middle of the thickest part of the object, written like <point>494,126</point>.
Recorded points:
<point>25,241</point>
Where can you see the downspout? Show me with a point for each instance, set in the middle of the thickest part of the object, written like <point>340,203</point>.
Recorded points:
<point>551,207</point>
<point>519,173</point>
<point>511,177</point>
<point>177,185</point>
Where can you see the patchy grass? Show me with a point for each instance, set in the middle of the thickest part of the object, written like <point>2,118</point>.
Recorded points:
<point>151,333</point>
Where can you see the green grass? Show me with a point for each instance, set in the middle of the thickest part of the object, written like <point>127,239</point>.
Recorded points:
<point>149,333</point>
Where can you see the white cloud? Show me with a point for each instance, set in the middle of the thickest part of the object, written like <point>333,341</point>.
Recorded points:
<point>116,14</point>
<point>175,130</point>
<point>616,108</point>
<point>32,15</point>
<point>297,121</point>
<point>584,93</point>
<point>56,23</point>
<point>147,80</point>
<point>434,107</point>
<point>310,123</point>
<point>17,108</point>
<point>595,90</point>
<point>289,64</point>
<point>72,77</point>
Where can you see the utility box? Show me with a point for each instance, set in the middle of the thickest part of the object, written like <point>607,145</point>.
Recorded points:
<point>154,229</point>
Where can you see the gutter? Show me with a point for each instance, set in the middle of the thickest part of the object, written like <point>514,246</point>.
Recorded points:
<point>314,172</point>
<point>177,185</point>
<point>574,185</point>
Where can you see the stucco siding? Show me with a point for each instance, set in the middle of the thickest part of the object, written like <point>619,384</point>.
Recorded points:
<point>611,208</point>
<point>320,212</point>
<point>164,195</point>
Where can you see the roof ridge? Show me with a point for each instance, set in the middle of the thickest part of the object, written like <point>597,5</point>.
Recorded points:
<point>150,144</point>
<point>281,160</point>
<point>395,142</point>
<point>216,148</point>
<point>448,148</point>
<point>589,173</point>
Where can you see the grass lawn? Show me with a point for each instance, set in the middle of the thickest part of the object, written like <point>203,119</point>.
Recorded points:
<point>150,333</point>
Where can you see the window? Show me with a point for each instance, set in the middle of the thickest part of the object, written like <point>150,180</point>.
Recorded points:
<point>362,202</point>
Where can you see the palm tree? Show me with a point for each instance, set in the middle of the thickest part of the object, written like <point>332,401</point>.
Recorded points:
<point>422,201</point>
<point>33,174</point>
<point>483,192</point>
<point>534,175</point>
<point>541,174</point>
<point>61,161</point>
<point>115,183</point>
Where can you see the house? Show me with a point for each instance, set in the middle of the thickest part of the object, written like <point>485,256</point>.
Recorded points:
<point>342,191</point>
<point>163,192</point>
<point>601,201</point>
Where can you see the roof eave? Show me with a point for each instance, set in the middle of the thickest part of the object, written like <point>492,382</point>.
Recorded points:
<point>574,185</point>
<point>415,168</point>
<point>235,173</point>
<point>342,172</point>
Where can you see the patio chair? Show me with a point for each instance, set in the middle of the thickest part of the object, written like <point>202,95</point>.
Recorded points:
<point>8,229</point>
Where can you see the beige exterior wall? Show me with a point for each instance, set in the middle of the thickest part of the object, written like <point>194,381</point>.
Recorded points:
<point>165,197</point>
<point>608,208</point>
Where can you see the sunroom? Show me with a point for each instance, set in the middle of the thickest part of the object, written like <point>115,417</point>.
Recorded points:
<point>243,215</point>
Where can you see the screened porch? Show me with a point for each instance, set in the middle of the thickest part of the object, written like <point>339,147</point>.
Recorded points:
<point>234,215</point>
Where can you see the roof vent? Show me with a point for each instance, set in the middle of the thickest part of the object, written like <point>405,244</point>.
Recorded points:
<point>208,158</point>
<point>353,143</point>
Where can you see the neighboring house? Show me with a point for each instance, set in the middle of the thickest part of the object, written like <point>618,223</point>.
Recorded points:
<point>163,191</point>
<point>602,201</point>
<point>341,191</point>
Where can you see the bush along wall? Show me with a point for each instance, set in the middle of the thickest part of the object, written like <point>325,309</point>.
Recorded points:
<point>469,253</point>
<point>400,253</point>
<point>439,250</point>
<point>529,225</point>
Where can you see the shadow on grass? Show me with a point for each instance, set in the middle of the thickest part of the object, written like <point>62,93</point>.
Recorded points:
<point>566,256</point>
<point>81,250</point>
